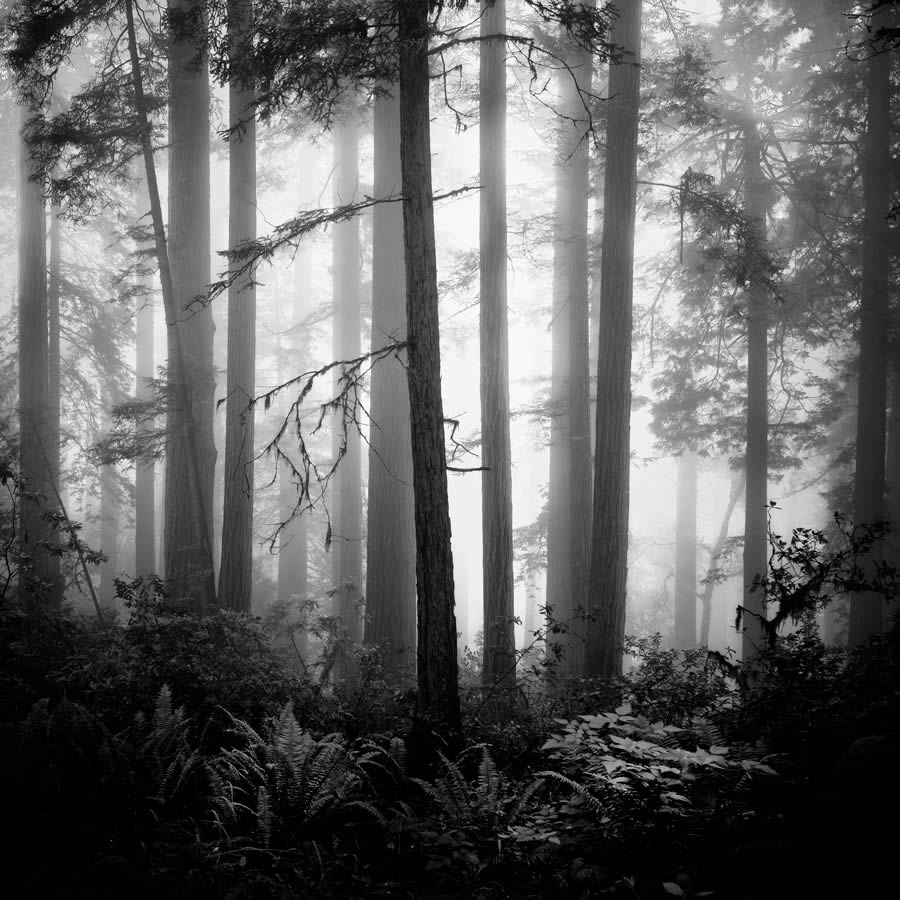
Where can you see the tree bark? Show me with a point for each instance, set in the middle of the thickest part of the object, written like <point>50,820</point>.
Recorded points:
<point>346,548</point>
<point>867,612</point>
<point>34,430</point>
<point>391,551</point>
<point>609,529</point>
<point>756,462</point>
<point>236,574</point>
<point>189,572</point>
<point>438,690</point>
<point>178,384</point>
<point>568,538</point>
<point>686,553</point>
<point>496,480</point>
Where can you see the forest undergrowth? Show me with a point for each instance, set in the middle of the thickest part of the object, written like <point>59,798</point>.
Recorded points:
<point>170,755</point>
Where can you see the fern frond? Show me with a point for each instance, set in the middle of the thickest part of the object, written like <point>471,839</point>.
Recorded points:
<point>579,789</point>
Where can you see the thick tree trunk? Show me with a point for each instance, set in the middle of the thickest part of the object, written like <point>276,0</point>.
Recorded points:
<point>391,551</point>
<point>756,461</point>
<point>686,553</point>
<point>438,690</point>
<point>867,613</point>
<point>236,574</point>
<point>347,522</point>
<point>609,529</point>
<point>182,411</point>
<point>188,568</point>
<point>145,472</point>
<point>496,481</point>
<point>568,538</point>
<point>34,430</point>
<point>709,588</point>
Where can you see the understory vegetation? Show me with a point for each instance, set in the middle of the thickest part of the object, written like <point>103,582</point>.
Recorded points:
<point>170,755</point>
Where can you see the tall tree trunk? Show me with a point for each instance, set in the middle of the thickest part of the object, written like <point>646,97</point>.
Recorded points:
<point>609,529</point>
<point>293,541</point>
<point>54,374</point>
<point>182,411</point>
<point>347,546</point>
<point>391,551</point>
<point>438,689</point>
<point>756,465</point>
<point>867,613</point>
<point>145,472</point>
<point>34,433</point>
<point>496,481</point>
<point>568,538</point>
<point>737,484</point>
<point>686,553</point>
<point>188,570</point>
<point>236,574</point>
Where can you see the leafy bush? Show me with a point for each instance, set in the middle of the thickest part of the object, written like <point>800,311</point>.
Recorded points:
<point>209,663</point>
<point>676,686</point>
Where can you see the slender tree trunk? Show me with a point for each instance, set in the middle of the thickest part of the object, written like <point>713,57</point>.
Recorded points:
<point>867,613</point>
<point>568,539</point>
<point>496,481</point>
<point>391,552</point>
<point>187,568</point>
<point>179,384</point>
<point>145,472</point>
<point>609,530</point>
<point>34,431</point>
<point>54,277</point>
<point>438,690</point>
<point>236,575</point>
<point>347,545</point>
<point>737,485</point>
<point>686,553</point>
<point>755,508</point>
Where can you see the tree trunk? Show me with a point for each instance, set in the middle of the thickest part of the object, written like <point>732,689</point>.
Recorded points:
<point>686,553</point>
<point>737,485</point>
<point>867,613</point>
<point>54,278</point>
<point>182,411</point>
<point>391,551</point>
<point>236,574</point>
<point>188,569</point>
<point>496,480</point>
<point>568,538</point>
<point>609,529</point>
<point>145,472</point>
<point>347,541</point>
<point>34,430</point>
<point>756,503</point>
<point>438,690</point>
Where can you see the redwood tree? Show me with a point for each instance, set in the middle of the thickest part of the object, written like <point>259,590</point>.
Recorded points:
<point>609,529</point>
<point>236,575</point>
<point>438,690</point>
<point>496,482</point>
<point>188,564</point>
